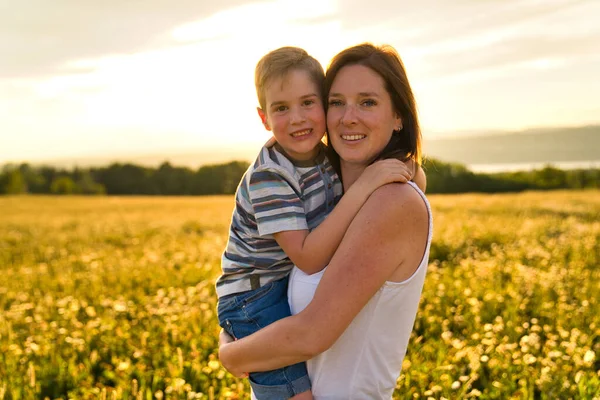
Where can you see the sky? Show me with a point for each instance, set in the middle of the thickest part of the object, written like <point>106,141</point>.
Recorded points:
<point>132,77</point>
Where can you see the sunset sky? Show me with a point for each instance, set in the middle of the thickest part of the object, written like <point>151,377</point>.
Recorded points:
<point>97,78</point>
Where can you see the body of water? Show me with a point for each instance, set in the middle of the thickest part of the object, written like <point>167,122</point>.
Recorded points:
<point>512,167</point>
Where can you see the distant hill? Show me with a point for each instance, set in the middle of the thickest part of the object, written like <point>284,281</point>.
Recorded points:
<point>533,146</point>
<point>529,146</point>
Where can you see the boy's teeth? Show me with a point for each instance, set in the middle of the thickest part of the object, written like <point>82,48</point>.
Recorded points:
<point>353,137</point>
<point>302,133</point>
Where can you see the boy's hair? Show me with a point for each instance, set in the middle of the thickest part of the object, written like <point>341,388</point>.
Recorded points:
<point>279,62</point>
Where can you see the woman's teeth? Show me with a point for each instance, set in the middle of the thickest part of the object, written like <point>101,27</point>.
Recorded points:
<point>353,137</point>
<point>301,133</point>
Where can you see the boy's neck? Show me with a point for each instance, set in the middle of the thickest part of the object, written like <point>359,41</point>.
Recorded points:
<point>315,157</point>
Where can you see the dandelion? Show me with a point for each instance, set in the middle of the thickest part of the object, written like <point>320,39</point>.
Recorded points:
<point>123,366</point>
<point>529,359</point>
<point>554,354</point>
<point>90,311</point>
<point>589,357</point>
<point>120,306</point>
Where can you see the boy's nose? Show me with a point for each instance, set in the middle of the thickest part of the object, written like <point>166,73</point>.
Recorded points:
<point>296,117</point>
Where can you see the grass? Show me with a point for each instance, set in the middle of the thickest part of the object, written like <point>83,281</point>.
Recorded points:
<point>113,298</point>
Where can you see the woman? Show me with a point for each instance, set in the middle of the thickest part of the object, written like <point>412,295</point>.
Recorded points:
<point>355,330</point>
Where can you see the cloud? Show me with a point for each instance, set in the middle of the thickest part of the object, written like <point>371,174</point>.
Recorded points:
<point>76,72</point>
<point>39,37</point>
<point>448,21</point>
<point>530,50</point>
<point>266,20</point>
<point>487,39</point>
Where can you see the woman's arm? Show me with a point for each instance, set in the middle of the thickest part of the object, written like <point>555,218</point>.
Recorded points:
<point>386,240</point>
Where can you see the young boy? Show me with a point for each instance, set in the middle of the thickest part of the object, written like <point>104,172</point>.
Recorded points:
<point>281,204</point>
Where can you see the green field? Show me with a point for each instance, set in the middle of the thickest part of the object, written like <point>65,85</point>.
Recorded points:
<point>113,298</point>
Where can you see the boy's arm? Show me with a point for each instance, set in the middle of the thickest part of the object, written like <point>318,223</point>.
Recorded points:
<point>312,251</point>
<point>420,178</point>
<point>418,175</point>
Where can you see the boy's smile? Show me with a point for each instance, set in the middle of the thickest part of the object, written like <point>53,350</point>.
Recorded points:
<point>295,114</point>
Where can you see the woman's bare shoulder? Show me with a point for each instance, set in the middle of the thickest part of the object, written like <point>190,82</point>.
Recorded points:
<point>396,199</point>
<point>402,218</point>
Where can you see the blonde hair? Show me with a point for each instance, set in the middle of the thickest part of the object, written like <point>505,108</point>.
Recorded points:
<point>279,62</point>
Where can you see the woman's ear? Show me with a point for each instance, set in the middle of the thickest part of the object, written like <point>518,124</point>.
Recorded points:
<point>398,123</point>
<point>263,118</point>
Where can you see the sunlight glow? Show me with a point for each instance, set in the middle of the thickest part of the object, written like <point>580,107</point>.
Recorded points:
<point>258,20</point>
<point>195,88</point>
<point>200,101</point>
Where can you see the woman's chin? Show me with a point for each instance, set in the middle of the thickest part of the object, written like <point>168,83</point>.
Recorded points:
<point>354,161</point>
<point>354,156</point>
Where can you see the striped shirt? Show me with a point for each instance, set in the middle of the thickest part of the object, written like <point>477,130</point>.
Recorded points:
<point>276,194</point>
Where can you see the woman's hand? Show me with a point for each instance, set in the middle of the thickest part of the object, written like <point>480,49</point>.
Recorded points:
<point>224,340</point>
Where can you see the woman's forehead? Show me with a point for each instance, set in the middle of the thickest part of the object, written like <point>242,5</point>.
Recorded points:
<point>357,78</point>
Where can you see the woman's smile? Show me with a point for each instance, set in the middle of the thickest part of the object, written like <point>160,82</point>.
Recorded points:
<point>352,137</point>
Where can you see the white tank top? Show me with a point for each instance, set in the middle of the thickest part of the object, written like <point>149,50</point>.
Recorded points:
<point>365,362</point>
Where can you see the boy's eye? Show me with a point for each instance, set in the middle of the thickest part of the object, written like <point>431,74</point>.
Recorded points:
<point>280,108</point>
<point>369,103</point>
<point>308,102</point>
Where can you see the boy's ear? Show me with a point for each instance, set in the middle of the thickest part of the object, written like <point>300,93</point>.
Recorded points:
<point>263,118</point>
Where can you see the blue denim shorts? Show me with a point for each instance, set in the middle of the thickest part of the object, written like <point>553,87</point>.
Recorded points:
<point>242,314</point>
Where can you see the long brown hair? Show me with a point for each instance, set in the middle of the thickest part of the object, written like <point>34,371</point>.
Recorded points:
<point>385,61</point>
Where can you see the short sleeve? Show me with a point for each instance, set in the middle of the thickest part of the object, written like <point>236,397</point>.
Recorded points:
<point>276,200</point>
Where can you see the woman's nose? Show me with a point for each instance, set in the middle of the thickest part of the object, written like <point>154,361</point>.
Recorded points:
<point>349,115</point>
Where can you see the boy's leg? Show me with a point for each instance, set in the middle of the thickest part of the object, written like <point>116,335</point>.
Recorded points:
<point>251,311</point>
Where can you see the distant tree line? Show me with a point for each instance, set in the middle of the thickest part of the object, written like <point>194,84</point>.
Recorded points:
<point>123,179</point>
<point>131,179</point>
<point>445,177</point>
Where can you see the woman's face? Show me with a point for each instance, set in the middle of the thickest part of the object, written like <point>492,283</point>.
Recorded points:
<point>361,117</point>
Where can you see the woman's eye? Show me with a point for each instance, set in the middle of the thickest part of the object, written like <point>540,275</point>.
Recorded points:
<point>334,103</point>
<point>369,103</point>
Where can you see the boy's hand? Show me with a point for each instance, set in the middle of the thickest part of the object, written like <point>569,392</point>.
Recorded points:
<point>383,172</point>
<point>225,339</point>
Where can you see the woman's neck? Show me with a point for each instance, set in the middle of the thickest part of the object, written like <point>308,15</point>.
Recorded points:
<point>350,173</point>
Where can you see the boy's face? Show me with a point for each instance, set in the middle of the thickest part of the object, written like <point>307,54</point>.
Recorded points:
<point>294,113</point>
